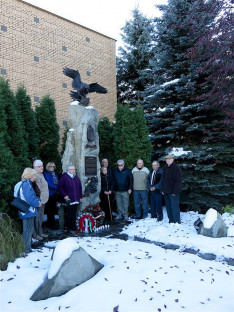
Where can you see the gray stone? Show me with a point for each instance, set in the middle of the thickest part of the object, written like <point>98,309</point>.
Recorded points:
<point>82,142</point>
<point>218,229</point>
<point>74,271</point>
<point>207,256</point>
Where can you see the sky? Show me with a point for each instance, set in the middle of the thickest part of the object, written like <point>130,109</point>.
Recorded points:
<point>136,277</point>
<point>104,16</point>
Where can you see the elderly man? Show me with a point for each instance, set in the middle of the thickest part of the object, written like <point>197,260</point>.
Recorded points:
<point>154,182</point>
<point>171,188</point>
<point>140,192</point>
<point>105,163</point>
<point>123,186</point>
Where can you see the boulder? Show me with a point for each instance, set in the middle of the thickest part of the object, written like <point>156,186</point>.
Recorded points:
<point>74,271</point>
<point>213,225</point>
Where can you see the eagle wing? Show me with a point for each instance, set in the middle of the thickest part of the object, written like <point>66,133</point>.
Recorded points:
<point>95,87</point>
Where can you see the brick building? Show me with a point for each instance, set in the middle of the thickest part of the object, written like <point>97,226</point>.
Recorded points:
<point>35,46</point>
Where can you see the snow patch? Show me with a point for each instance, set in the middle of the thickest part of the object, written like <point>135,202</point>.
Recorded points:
<point>170,82</point>
<point>178,151</point>
<point>89,107</point>
<point>75,103</point>
<point>62,252</point>
<point>210,218</point>
<point>71,130</point>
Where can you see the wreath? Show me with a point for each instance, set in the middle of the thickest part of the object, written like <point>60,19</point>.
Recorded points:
<point>95,217</point>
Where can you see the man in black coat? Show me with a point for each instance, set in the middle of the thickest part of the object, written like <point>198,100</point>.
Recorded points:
<point>123,185</point>
<point>171,189</point>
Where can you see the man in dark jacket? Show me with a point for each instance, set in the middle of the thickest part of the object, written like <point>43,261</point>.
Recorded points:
<point>123,185</point>
<point>171,188</point>
<point>154,183</point>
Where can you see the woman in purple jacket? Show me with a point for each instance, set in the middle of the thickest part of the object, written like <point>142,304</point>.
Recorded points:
<point>71,191</point>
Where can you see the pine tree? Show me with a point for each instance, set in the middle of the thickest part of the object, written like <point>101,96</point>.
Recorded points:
<point>105,131</point>
<point>28,120</point>
<point>48,131</point>
<point>9,174</point>
<point>131,136</point>
<point>15,138</point>
<point>133,60</point>
<point>177,117</point>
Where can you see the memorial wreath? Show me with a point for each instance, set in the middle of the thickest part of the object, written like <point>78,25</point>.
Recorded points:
<point>94,216</point>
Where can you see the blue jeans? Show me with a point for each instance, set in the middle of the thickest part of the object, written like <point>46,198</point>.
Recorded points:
<point>173,208</point>
<point>141,196</point>
<point>156,205</point>
<point>28,225</point>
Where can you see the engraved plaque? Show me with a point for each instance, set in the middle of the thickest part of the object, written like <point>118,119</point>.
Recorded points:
<point>90,134</point>
<point>90,165</point>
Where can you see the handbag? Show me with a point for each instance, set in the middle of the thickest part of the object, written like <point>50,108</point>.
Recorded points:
<point>20,204</point>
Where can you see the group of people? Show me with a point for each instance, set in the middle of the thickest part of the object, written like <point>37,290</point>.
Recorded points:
<point>144,184</point>
<point>42,190</point>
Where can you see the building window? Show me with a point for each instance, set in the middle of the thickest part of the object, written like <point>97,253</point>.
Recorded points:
<point>64,48</point>
<point>36,99</point>
<point>88,73</point>
<point>3,71</point>
<point>36,58</point>
<point>36,19</point>
<point>64,122</point>
<point>3,28</point>
<point>87,39</point>
<point>64,85</point>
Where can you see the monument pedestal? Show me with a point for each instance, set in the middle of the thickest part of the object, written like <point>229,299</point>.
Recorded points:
<point>82,149</point>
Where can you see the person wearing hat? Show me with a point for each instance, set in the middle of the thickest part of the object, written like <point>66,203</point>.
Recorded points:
<point>171,189</point>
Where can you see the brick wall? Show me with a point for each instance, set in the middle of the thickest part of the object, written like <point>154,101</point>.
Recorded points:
<point>35,46</point>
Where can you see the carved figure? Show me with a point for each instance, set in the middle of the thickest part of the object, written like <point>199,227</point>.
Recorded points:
<point>82,89</point>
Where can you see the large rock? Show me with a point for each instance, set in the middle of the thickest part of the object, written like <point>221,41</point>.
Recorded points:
<point>213,225</point>
<point>83,141</point>
<point>74,271</point>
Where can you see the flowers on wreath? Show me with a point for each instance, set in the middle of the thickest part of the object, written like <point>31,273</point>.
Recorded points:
<point>92,216</point>
<point>97,213</point>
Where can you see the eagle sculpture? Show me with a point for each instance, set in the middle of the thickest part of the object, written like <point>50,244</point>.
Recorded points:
<point>82,89</point>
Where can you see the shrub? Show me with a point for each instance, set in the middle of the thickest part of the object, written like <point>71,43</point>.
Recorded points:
<point>11,242</point>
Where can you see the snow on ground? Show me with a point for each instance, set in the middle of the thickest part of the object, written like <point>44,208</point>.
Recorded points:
<point>137,277</point>
<point>184,234</point>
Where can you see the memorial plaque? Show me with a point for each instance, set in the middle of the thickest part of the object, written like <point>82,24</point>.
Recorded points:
<point>90,166</point>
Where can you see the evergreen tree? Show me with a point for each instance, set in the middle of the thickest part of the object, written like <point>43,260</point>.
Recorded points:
<point>8,168</point>
<point>28,120</point>
<point>15,138</point>
<point>48,131</point>
<point>177,117</point>
<point>133,60</point>
<point>131,135</point>
<point>105,131</point>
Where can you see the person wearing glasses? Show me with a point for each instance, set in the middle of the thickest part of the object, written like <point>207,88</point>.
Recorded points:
<point>50,207</point>
<point>123,182</point>
<point>70,190</point>
<point>44,196</point>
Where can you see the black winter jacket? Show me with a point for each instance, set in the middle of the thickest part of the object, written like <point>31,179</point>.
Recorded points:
<point>123,180</point>
<point>107,182</point>
<point>172,179</point>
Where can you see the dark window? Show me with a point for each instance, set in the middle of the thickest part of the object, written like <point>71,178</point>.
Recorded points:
<point>36,58</point>
<point>87,39</point>
<point>36,99</point>
<point>64,122</point>
<point>64,48</point>
<point>88,73</point>
<point>64,85</point>
<point>3,71</point>
<point>3,28</point>
<point>36,19</point>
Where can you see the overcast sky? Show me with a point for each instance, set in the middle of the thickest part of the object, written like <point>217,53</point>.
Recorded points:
<point>104,16</point>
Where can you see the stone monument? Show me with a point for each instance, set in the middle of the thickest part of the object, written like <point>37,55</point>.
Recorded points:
<point>82,149</point>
